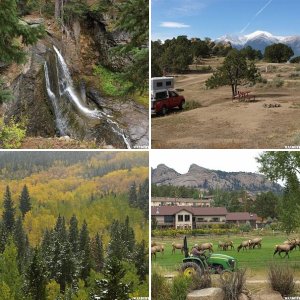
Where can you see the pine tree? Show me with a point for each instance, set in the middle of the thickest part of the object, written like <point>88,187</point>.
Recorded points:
<point>141,260</point>
<point>9,273</point>
<point>73,233</point>
<point>112,287</point>
<point>11,29</point>
<point>36,277</point>
<point>129,238</point>
<point>133,195</point>
<point>117,246</point>
<point>21,241</point>
<point>9,212</point>
<point>97,253</point>
<point>85,252</point>
<point>25,202</point>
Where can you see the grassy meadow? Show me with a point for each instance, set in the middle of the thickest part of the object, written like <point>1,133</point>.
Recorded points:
<point>255,261</point>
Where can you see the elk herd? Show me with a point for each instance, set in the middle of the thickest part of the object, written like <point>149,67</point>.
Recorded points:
<point>285,247</point>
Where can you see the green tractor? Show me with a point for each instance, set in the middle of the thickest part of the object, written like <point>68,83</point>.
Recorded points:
<point>213,263</point>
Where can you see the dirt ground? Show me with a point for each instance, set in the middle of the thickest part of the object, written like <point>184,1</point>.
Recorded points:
<point>223,123</point>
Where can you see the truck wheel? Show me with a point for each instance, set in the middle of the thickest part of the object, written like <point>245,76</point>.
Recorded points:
<point>191,268</point>
<point>180,106</point>
<point>164,111</point>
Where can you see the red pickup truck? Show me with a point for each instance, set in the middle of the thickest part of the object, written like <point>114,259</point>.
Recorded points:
<point>164,100</point>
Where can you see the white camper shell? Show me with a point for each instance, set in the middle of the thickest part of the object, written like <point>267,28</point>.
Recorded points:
<point>162,83</point>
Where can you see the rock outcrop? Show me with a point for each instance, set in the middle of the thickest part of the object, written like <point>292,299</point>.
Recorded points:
<point>200,177</point>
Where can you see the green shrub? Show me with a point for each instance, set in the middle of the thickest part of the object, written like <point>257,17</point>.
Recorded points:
<point>12,134</point>
<point>180,287</point>
<point>160,289</point>
<point>295,60</point>
<point>281,279</point>
<point>112,84</point>
<point>5,94</point>
<point>192,104</point>
<point>201,282</point>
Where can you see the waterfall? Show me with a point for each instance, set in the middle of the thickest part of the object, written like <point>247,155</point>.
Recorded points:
<point>67,91</point>
<point>60,122</point>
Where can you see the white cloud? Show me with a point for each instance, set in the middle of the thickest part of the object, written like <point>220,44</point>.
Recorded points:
<point>173,25</point>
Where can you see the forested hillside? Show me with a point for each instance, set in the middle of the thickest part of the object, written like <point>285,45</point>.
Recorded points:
<point>69,220</point>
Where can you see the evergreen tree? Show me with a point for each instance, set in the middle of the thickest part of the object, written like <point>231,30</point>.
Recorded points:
<point>36,277</point>
<point>73,234</point>
<point>112,287</point>
<point>133,195</point>
<point>117,245</point>
<point>141,261</point>
<point>9,212</point>
<point>129,238</point>
<point>97,253</point>
<point>22,244</point>
<point>11,29</point>
<point>85,252</point>
<point>25,202</point>
<point>9,273</point>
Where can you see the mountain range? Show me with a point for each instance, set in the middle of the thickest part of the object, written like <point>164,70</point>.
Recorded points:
<point>259,40</point>
<point>203,178</point>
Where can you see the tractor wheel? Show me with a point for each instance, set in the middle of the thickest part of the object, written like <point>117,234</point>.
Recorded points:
<point>226,275</point>
<point>191,268</point>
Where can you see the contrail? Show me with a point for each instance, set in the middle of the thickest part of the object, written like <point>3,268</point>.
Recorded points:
<point>262,9</point>
<point>257,14</point>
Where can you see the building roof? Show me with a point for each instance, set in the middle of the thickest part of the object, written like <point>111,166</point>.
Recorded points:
<point>197,211</point>
<point>167,199</point>
<point>241,216</point>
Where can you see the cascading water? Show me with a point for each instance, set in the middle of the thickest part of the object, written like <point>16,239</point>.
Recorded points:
<point>66,91</point>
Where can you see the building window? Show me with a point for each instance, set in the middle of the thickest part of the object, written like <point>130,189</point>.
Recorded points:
<point>168,219</point>
<point>200,219</point>
<point>180,218</point>
<point>159,84</point>
<point>187,218</point>
<point>168,83</point>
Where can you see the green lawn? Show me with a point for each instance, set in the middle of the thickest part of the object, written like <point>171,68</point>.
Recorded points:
<point>255,261</point>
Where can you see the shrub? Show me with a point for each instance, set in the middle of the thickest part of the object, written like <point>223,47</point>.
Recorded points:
<point>277,82</point>
<point>295,60</point>
<point>245,227</point>
<point>160,289</point>
<point>192,104</point>
<point>281,279</point>
<point>112,84</point>
<point>235,285</point>
<point>12,134</point>
<point>201,282</point>
<point>180,287</point>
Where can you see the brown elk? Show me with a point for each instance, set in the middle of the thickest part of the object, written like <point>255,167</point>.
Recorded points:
<point>255,242</point>
<point>225,245</point>
<point>153,252</point>
<point>206,246</point>
<point>244,245</point>
<point>177,246</point>
<point>159,248</point>
<point>284,248</point>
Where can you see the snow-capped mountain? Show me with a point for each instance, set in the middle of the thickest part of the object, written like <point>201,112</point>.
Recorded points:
<point>259,40</point>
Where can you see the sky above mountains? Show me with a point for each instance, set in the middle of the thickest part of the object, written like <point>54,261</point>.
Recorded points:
<point>215,18</point>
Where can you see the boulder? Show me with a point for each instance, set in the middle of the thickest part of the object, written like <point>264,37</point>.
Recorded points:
<point>31,20</point>
<point>206,294</point>
<point>270,295</point>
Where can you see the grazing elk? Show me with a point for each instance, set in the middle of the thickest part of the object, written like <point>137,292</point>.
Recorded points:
<point>206,246</point>
<point>177,246</point>
<point>284,248</point>
<point>244,245</point>
<point>153,252</point>
<point>225,245</point>
<point>255,242</point>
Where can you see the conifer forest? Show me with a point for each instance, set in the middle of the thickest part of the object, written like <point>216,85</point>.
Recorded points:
<point>73,225</point>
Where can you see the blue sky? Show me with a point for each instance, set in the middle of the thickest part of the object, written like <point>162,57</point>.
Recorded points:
<point>214,18</point>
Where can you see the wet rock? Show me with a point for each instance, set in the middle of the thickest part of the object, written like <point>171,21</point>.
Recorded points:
<point>32,20</point>
<point>206,294</point>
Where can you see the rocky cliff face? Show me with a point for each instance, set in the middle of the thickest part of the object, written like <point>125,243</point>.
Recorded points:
<point>82,45</point>
<point>200,177</point>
